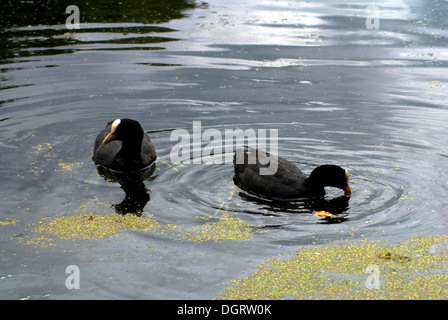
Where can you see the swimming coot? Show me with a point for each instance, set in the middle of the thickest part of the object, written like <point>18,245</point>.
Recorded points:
<point>123,146</point>
<point>287,182</point>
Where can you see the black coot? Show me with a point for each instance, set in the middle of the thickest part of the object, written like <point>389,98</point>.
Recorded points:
<point>123,146</point>
<point>287,182</point>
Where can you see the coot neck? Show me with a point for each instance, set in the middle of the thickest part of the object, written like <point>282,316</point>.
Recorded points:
<point>130,153</point>
<point>315,185</point>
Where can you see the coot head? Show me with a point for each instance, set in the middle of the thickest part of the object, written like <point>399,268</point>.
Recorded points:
<point>123,146</point>
<point>330,176</point>
<point>125,130</point>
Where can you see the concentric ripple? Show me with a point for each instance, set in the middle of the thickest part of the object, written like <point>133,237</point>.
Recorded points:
<point>383,201</point>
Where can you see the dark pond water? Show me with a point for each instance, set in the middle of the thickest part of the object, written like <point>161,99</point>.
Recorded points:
<point>370,100</point>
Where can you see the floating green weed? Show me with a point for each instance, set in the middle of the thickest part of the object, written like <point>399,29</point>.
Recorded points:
<point>415,269</point>
<point>8,222</point>
<point>225,227</point>
<point>88,226</point>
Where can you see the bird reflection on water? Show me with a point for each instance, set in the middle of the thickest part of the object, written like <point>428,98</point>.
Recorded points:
<point>132,183</point>
<point>123,153</point>
<point>337,206</point>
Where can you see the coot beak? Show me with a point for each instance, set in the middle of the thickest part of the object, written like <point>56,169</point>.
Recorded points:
<point>347,190</point>
<point>110,137</point>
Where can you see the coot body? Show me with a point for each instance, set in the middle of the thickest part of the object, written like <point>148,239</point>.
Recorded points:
<point>287,183</point>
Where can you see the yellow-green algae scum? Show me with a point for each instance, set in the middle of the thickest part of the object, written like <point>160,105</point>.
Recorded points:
<point>98,226</point>
<point>226,227</point>
<point>8,222</point>
<point>414,269</point>
<point>85,224</point>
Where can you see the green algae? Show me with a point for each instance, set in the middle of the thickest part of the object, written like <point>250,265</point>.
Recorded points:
<point>70,166</point>
<point>225,227</point>
<point>414,269</point>
<point>88,226</point>
<point>8,222</point>
<point>92,226</point>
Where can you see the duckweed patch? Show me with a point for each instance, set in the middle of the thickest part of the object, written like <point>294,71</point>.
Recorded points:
<point>225,227</point>
<point>98,226</point>
<point>88,226</point>
<point>414,269</point>
<point>70,166</point>
<point>8,222</point>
